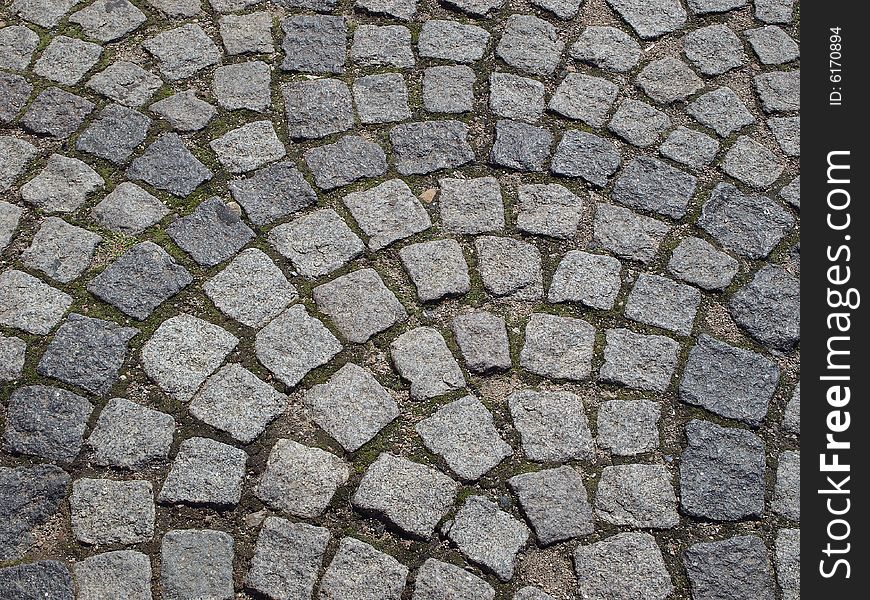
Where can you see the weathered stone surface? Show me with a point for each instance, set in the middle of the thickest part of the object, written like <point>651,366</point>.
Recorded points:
<point>451,40</point>
<point>662,302</point>
<point>585,98</point>
<point>463,433</point>
<point>470,206</point>
<point>382,45</point>
<point>476,7</point>
<point>115,133</point>
<point>721,110</point>
<point>243,85</point>
<point>205,472</point>
<point>46,13</point>
<point>140,280</point>
<point>644,362</point>
<point>791,421</point>
<point>649,184</point>
<point>87,353</point>
<point>429,146</point>
<point>626,566</point>
<point>249,33</point>
<point>689,147</point>
<point>411,496</point>
<point>437,580</point>
<point>14,92</point>
<point>714,49</point>
<point>581,154</point>
<point>183,351</point>
<point>768,308</point>
<point>16,155</point>
<point>593,280</point>
<point>788,563</point>
<point>130,436</point>
<point>488,536</point>
<point>448,89</point>
<point>359,304</point>
<point>30,305</point>
<point>731,382</point>
<point>188,8</point>
<point>737,567</point>
<point>530,44</point>
<point>387,213</point>
<point>381,98</point>
<point>314,43</point>
<point>54,111</point>
<point>236,401</point>
<point>168,165</point>
<point>791,193</point>
<point>510,269</point>
<point>787,493</point>
<point>548,209</point>
<point>196,564</point>
<point>698,262</point>
<point>349,159</point>
<point>251,289</point>
<point>628,234</point>
<point>552,425</point>
<point>722,473</point>
<point>66,60</point>
<point>317,108</point>
<point>317,243</point>
<point>639,123</point>
<point>108,20</point>
<point>299,480</point>
<point>628,427</point>
<point>293,344</point>
<point>125,83</point>
<point>249,147</point>
<point>211,234</point>
<point>273,192</point>
<point>46,422</point>
<point>62,186</point>
<point>638,496</point>
<point>12,354</point>
<point>668,79</point>
<point>60,250</point>
<point>359,572</point>
<point>772,45</point>
<point>43,579</point>
<point>787,131</point>
<point>183,51</point>
<point>106,511</point>
<point>515,97</point>
<point>286,559</point>
<point>748,225</point>
<point>650,19</point>
<point>751,163</point>
<point>607,48</point>
<point>482,339</point>
<point>774,11</point>
<point>29,497</point>
<point>118,574</point>
<point>421,356</point>
<point>520,146</point>
<point>352,406</point>
<point>184,111</point>
<point>555,503</point>
<point>400,9</point>
<point>558,347</point>
<point>17,44</point>
<point>779,91</point>
<point>437,269</point>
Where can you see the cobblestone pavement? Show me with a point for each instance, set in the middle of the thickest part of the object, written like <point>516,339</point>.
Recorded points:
<point>380,299</point>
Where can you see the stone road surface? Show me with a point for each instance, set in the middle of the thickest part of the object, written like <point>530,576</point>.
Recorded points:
<point>381,299</point>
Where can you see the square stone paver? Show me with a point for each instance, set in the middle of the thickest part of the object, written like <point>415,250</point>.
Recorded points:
<point>548,209</point>
<point>422,357</point>
<point>314,43</point>
<point>41,579</point>
<point>236,401</point>
<point>786,493</point>
<point>205,472</point>
<point>437,269</point>
<point>530,44</point>
<point>381,98</point>
<point>128,209</point>
<point>16,155</point>
<point>317,243</point>
<point>196,563</point>
<point>359,304</point>
<point>46,422</point>
<point>429,146</point>
<point>521,146</point>
<point>317,108</point>
<point>62,186</point>
<point>387,212</point>
<point>125,83</point>
<point>360,572</point>
<point>211,234</point>
<point>247,33</point>
<point>299,480</point>
<point>168,165</point>
<point>637,496</point>
<point>293,344</point>
<point>737,567</point>
<point>651,185</point>
<point>587,156</point>
<point>552,425</point>
<point>352,406</point>
<point>448,89</point>
<point>87,353</point>
<point>118,574</point>
<point>628,234</point>
<point>639,123</point>
<point>106,511</point>
<point>251,289</point>
<point>558,347</point>
<point>66,60</point>
<point>29,497</point>
<point>698,262</point>
<point>451,40</point>
<point>555,503</point>
<point>243,85</point>
<point>689,147</point>
<point>382,45</point>
<point>463,433</point>
<point>411,496</point>
<point>115,133</point>
<point>436,580</point>
<point>471,206</point>
<point>768,308</point>
<point>249,147</point>
<point>183,351</point>
<point>28,304</point>
<point>349,159</point>
<point>12,354</point>
<point>273,192</point>
<point>483,341</point>
<point>584,98</point>
<point>628,427</point>
<point>624,566</point>
<point>60,250</point>
<point>183,51</point>
<point>185,111</point>
<point>510,268</point>
<point>515,97</point>
<point>644,362</point>
<point>131,436</point>
<point>662,302</point>
<point>593,280</point>
<point>607,48</point>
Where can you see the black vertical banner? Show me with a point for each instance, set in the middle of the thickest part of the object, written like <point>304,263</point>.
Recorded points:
<point>835,431</point>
